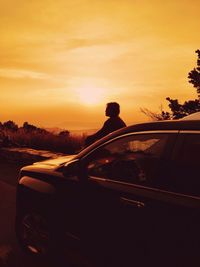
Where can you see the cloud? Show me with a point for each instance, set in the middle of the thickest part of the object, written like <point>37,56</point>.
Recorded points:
<point>74,43</point>
<point>20,74</point>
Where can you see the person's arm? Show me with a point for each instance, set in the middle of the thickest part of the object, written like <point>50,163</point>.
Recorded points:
<point>102,132</point>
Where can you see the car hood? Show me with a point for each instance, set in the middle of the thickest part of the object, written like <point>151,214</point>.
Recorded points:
<point>56,162</point>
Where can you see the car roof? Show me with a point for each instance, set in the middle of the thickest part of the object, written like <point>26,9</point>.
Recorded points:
<point>147,126</point>
<point>166,125</point>
<point>193,116</point>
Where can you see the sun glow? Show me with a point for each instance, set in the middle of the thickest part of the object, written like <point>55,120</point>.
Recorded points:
<point>90,95</point>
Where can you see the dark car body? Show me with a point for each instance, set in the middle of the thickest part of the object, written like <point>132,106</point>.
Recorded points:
<point>133,196</point>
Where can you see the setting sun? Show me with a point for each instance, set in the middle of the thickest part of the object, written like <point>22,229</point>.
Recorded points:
<point>90,96</point>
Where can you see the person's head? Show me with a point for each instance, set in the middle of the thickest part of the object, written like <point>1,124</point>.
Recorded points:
<point>112,109</point>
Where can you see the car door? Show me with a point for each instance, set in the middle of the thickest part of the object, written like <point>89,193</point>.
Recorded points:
<point>119,173</point>
<point>173,204</point>
<point>181,196</point>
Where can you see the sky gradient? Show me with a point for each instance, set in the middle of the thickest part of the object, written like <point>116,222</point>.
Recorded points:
<point>62,61</point>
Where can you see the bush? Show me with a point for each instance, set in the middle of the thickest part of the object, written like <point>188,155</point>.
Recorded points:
<point>46,141</point>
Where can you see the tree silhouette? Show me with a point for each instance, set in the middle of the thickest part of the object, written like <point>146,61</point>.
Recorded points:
<point>188,107</point>
<point>10,125</point>
<point>29,127</point>
<point>64,133</point>
<point>181,110</point>
<point>32,128</point>
<point>164,115</point>
<point>194,75</point>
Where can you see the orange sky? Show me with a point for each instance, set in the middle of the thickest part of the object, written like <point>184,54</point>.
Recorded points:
<point>62,61</point>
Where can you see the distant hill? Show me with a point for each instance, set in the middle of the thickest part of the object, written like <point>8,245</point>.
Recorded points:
<point>57,130</point>
<point>85,131</point>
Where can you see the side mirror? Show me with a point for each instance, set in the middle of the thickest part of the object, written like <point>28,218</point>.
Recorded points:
<point>71,169</point>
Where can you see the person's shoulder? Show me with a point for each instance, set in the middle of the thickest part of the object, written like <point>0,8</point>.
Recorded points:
<point>121,121</point>
<point>108,121</point>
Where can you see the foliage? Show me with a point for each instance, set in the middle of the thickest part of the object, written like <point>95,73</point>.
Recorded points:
<point>156,116</point>
<point>31,136</point>
<point>194,75</point>
<point>64,133</point>
<point>32,128</point>
<point>181,110</point>
<point>10,125</point>
<point>47,141</point>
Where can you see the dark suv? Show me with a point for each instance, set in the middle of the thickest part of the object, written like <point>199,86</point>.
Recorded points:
<point>131,197</point>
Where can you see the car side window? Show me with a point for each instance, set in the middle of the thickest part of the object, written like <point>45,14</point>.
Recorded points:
<point>131,159</point>
<point>191,150</point>
<point>185,171</point>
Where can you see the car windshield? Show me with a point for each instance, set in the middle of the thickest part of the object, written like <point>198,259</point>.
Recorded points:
<point>86,150</point>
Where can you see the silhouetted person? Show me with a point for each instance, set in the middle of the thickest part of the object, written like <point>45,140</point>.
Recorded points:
<point>112,124</point>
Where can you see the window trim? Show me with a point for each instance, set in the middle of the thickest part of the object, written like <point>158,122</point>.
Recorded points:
<point>189,132</point>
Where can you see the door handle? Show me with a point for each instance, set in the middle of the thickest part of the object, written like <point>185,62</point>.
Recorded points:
<point>131,202</point>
